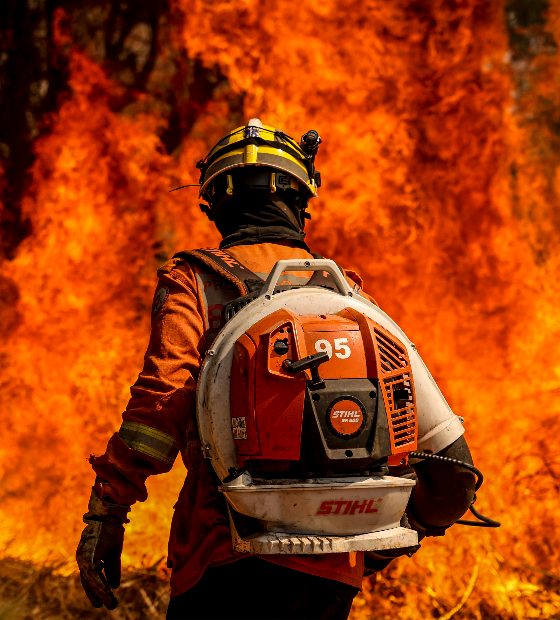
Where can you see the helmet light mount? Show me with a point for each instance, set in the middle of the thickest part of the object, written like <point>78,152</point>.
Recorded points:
<point>310,142</point>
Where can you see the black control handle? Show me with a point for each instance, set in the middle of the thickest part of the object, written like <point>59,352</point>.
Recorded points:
<point>311,362</point>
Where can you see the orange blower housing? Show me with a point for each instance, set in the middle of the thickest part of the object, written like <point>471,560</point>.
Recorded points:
<point>355,415</point>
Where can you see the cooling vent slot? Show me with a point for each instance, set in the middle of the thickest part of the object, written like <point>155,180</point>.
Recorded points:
<point>397,386</point>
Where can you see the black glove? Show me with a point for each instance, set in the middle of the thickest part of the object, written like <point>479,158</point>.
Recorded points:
<point>99,551</point>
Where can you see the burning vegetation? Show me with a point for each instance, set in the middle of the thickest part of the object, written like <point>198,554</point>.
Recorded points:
<point>441,187</point>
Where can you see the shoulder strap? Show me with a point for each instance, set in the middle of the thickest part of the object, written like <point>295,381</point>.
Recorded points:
<point>225,265</point>
<point>240,276</point>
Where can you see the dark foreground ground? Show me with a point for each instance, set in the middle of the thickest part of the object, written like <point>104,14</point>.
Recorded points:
<point>29,592</point>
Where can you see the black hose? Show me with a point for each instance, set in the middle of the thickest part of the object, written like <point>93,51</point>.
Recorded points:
<point>483,521</point>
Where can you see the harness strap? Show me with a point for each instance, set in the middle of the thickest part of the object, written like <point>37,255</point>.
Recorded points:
<point>243,278</point>
<point>225,265</point>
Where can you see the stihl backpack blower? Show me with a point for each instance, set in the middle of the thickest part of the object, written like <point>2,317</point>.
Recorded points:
<point>306,397</point>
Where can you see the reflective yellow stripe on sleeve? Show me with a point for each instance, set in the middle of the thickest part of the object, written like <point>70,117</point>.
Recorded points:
<point>150,441</point>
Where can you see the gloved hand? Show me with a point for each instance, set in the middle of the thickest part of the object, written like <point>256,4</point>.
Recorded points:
<point>99,551</point>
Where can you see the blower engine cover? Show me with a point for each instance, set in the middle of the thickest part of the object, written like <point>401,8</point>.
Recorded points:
<point>305,398</point>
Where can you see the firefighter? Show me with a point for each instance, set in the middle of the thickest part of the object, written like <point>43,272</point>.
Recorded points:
<point>257,182</point>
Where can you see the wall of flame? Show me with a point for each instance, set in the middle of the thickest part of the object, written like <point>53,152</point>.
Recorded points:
<point>441,188</point>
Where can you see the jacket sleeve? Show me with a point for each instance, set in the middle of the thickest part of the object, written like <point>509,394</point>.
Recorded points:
<point>163,398</point>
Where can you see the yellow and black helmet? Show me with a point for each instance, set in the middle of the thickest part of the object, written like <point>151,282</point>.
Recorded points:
<point>259,156</point>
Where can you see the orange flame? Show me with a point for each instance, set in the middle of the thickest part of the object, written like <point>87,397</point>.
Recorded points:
<point>440,189</point>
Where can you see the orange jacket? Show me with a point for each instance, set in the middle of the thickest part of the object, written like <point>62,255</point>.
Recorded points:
<point>159,421</point>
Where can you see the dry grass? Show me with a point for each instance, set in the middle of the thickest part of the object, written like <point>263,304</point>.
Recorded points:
<point>31,592</point>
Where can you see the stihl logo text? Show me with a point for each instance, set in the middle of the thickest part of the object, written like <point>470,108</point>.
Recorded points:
<point>350,507</point>
<point>346,417</point>
<point>346,414</point>
<point>228,260</point>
